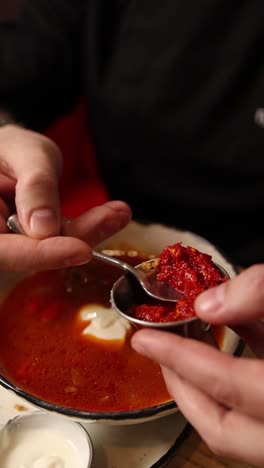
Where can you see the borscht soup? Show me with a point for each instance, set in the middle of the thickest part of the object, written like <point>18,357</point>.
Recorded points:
<point>61,342</point>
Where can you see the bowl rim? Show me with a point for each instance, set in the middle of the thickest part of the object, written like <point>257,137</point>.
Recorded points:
<point>83,415</point>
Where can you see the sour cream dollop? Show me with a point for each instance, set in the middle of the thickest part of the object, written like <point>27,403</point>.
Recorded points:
<point>104,323</point>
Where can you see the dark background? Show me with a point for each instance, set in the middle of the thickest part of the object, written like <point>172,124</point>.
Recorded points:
<point>9,8</point>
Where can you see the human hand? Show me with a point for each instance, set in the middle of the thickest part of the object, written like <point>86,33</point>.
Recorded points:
<point>30,166</point>
<point>238,303</point>
<point>221,395</point>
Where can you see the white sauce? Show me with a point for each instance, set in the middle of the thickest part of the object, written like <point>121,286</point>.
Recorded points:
<point>104,323</point>
<point>38,448</point>
<point>47,462</point>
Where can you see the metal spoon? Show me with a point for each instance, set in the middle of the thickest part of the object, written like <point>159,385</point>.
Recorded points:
<point>126,293</point>
<point>145,277</point>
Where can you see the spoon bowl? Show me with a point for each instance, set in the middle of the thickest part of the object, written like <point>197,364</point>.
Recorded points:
<point>126,293</point>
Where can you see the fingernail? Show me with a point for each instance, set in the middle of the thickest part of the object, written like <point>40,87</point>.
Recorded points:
<point>211,300</point>
<point>115,205</point>
<point>144,341</point>
<point>76,261</point>
<point>44,222</point>
<point>138,346</point>
<point>120,207</point>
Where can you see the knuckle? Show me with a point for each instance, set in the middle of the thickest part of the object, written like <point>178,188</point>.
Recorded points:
<point>255,281</point>
<point>256,277</point>
<point>38,178</point>
<point>52,152</point>
<point>255,368</point>
<point>5,167</point>
<point>227,394</point>
<point>221,393</point>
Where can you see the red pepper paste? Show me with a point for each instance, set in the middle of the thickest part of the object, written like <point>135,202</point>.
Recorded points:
<point>188,271</point>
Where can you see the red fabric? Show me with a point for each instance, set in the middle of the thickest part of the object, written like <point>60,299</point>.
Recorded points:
<point>81,186</point>
<point>9,10</point>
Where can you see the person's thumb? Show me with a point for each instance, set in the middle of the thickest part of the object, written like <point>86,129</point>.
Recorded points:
<point>237,301</point>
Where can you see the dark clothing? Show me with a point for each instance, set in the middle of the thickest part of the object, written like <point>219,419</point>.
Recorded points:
<point>172,90</point>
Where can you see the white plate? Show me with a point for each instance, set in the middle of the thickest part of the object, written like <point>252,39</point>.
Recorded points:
<point>145,445</point>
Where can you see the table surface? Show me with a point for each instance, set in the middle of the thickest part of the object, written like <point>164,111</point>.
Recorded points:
<point>193,452</point>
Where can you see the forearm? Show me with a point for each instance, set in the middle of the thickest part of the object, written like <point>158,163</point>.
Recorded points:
<point>39,62</point>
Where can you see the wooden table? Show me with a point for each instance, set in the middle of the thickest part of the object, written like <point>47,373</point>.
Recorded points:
<point>193,452</point>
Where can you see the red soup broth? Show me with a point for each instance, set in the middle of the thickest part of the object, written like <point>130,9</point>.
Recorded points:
<point>43,351</point>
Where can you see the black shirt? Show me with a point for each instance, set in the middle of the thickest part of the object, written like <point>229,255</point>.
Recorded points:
<point>174,91</point>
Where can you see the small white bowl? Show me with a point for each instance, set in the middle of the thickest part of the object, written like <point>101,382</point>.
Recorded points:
<point>36,436</point>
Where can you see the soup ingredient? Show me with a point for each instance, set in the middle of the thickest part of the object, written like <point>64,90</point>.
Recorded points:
<point>187,270</point>
<point>105,322</point>
<point>37,448</point>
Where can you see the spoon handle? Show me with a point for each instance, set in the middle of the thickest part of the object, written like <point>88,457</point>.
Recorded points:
<point>15,226</point>
<point>115,261</point>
